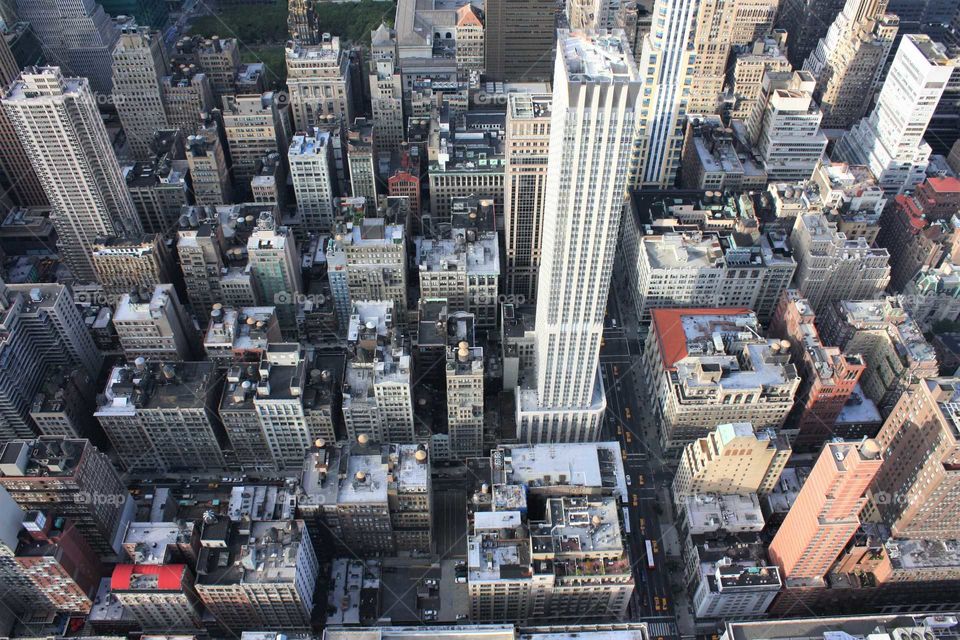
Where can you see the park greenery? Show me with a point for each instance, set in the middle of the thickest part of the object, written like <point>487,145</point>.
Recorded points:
<point>261,29</point>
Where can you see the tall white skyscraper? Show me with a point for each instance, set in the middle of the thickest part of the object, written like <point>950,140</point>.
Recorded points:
<point>594,127</point>
<point>57,121</point>
<point>669,58</point>
<point>890,139</point>
<point>684,60</point>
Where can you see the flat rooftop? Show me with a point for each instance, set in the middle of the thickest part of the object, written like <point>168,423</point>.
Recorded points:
<point>46,456</point>
<point>876,627</point>
<point>433,632</point>
<point>859,409</point>
<point>586,465</point>
<point>157,386</point>
<point>597,57</point>
<point>683,251</point>
<point>923,554</point>
<point>733,513</point>
<point>137,308</point>
<point>720,347</point>
<point>480,256</point>
<point>268,554</point>
<point>529,106</point>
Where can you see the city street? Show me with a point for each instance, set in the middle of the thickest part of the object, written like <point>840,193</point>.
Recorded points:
<point>629,420</point>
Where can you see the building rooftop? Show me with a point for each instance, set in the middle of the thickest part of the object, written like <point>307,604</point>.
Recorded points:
<point>347,598</point>
<point>628,632</point>
<point>577,526</point>
<point>910,554</point>
<point>871,627</point>
<point>410,474</point>
<point>710,347</point>
<point>366,480</point>
<point>596,57</point>
<point>267,554</point>
<point>733,513</point>
<point>260,502</point>
<point>107,608</point>
<point>367,232</point>
<point>148,577</point>
<point>40,83</point>
<point>733,577</point>
<point>934,52</point>
<point>433,632</point>
<point>149,542</point>
<point>714,145</point>
<point>243,329</point>
<point>313,144</point>
<point>480,256</point>
<point>589,465</point>
<point>859,409</point>
<point>826,241</point>
<point>162,170</point>
<point>156,386</point>
<point>360,473</point>
<point>29,223</point>
<point>377,354</point>
<point>46,456</point>
<point>683,251</point>
<point>143,306</point>
<point>871,313</point>
<point>787,489</point>
<point>529,106</point>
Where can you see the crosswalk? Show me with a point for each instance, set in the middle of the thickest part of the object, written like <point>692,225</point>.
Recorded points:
<point>665,629</point>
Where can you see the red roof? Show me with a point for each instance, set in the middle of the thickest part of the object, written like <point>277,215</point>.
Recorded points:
<point>944,184</point>
<point>169,576</point>
<point>914,213</point>
<point>669,329</point>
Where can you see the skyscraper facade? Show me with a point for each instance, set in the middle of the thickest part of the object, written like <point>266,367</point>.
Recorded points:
<point>527,152</point>
<point>17,177</point>
<point>386,90</point>
<point>915,491</point>
<point>826,513</point>
<point>58,122</point>
<point>520,39</point>
<point>806,21</point>
<point>318,77</point>
<point>593,129</point>
<point>275,264</point>
<point>848,60</point>
<point>684,61</point>
<point>254,126</point>
<point>890,140</point>
<point>138,64</point>
<point>77,35</point>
